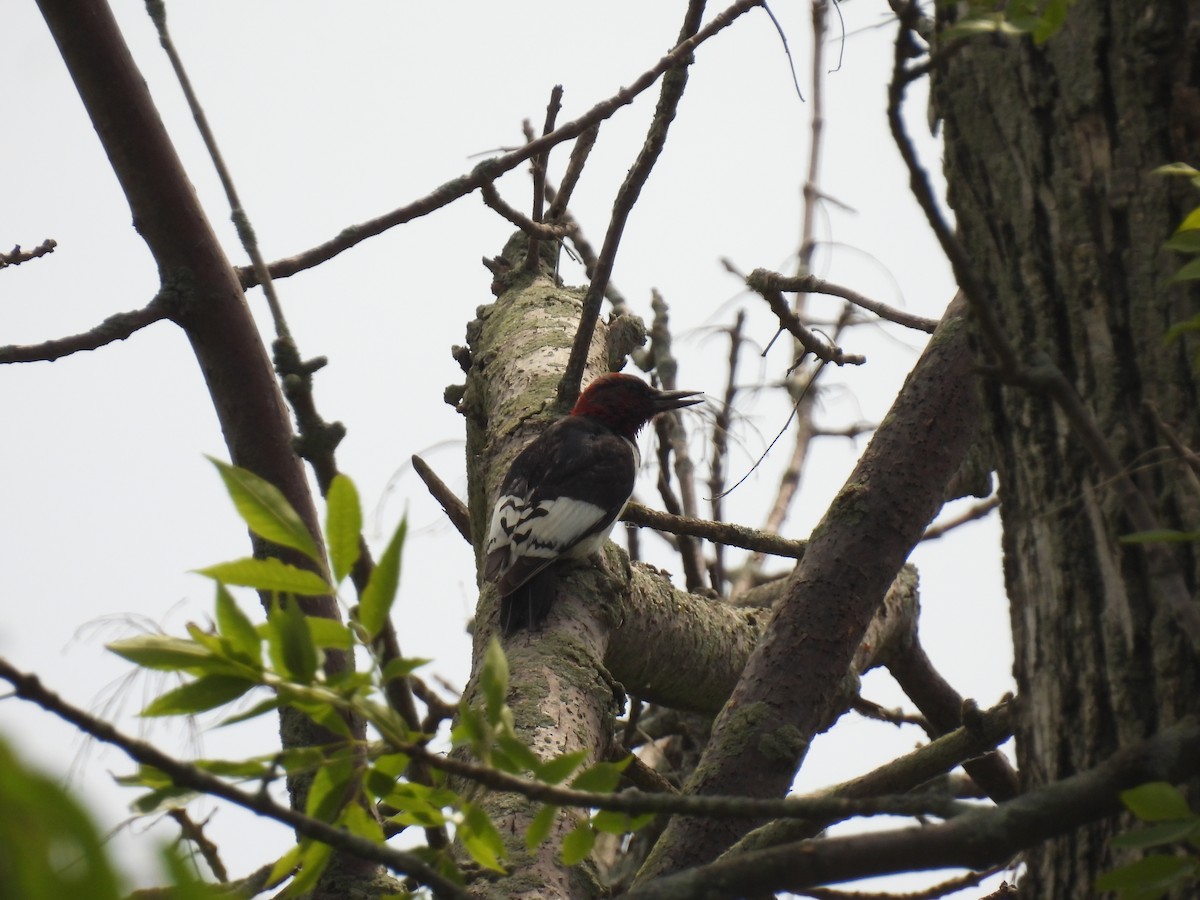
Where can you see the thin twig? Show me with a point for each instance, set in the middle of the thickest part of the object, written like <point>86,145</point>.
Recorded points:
<point>491,169</point>
<point>720,446</point>
<point>116,327</point>
<point>760,281</point>
<point>194,833</point>
<point>726,533</point>
<point>970,514</point>
<point>787,50</point>
<point>28,687</point>
<point>1185,453</point>
<point>673,84</point>
<point>456,511</point>
<point>575,163</point>
<point>941,889</point>
<point>672,440</point>
<point>535,230</point>
<point>540,163</point>
<point>158,14</point>
<point>811,284</point>
<point>16,256</point>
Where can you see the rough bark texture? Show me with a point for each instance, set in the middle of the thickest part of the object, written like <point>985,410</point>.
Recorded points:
<point>792,681</point>
<point>1048,157</point>
<point>560,699</point>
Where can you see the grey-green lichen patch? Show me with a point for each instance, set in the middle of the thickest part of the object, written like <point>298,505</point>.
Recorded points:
<point>785,744</point>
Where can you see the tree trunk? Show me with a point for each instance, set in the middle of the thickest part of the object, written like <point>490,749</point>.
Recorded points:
<point>1049,154</point>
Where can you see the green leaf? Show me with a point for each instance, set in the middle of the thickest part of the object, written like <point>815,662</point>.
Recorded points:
<point>539,828</point>
<point>519,758</point>
<point>383,774</point>
<point>601,778</point>
<point>314,858</point>
<point>265,510</point>
<point>358,821</point>
<point>49,846</point>
<point>480,838</point>
<point>1148,877</point>
<point>377,597</point>
<point>1160,536</point>
<point>145,776</point>
<point>1185,242</point>
<point>1181,328</point>
<point>560,768</point>
<point>290,642</point>
<point>612,822</point>
<point>205,693</point>
<point>1171,832</point>
<point>493,679</point>
<point>320,712</point>
<point>329,634</point>
<point>470,729</point>
<point>416,804</point>
<point>1187,272</point>
<point>269,705</point>
<point>256,768</point>
<point>285,865</point>
<point>330,789</point>
<point>162,799</point>
<point>1191,221</point>
<point>159,651</point>
<point>1156,801</point>
<point>1176,168</point>
<point>402,668</point>
<point>236,627</point>
<point>343,526</point>
<point>578,844</point>
<point>269,575</point>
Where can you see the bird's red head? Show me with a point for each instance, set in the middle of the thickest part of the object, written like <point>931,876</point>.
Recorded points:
<point>625,403</point>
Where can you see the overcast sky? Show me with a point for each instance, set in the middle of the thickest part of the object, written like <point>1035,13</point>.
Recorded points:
<point>331,114</point>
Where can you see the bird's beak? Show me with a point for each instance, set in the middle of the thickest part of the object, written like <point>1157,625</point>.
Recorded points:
<point>676,400</point>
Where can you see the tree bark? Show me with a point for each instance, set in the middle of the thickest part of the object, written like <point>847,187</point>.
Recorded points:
<point>1049,154</point>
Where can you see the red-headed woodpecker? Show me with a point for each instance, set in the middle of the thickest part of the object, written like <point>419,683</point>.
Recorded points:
<point>565,490</point>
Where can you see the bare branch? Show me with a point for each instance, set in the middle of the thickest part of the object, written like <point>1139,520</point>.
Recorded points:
<point>811,284</point>
<point>761,281</point>
<point>16,256</point>
<point>720,445</point>
<point>491,169</point>
<point>456,511</point>
<point>971,514</point>
<point>116,327</point>
<point>674,82</point>
<point>725,533</point>
<point>974,840</point>
<point>28,687</point>
<point>579,155</point>
<point>540,163</point>
<point>945,709</point>
<point>535,230</point>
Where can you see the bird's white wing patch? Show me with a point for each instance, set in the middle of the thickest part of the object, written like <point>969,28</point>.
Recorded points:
<point>543,530</point>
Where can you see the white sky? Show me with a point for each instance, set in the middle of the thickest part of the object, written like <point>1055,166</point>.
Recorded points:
<point>327,118</point>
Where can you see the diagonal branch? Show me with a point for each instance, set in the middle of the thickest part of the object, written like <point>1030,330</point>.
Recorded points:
<point>674,81</point>
<point>491,169</point>
<point>974,840</point>
<point>16,255</point>
<point>28,687</point>
<point>764,730</point>
<point>116,327</point>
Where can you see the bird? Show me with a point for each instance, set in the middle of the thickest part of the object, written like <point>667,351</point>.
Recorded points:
<point>564,492</point>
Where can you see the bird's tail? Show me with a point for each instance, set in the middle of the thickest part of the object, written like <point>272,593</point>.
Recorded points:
<point>528,605</point>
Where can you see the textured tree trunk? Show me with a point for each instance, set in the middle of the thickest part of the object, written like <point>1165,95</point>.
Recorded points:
<point>1049,153</point>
